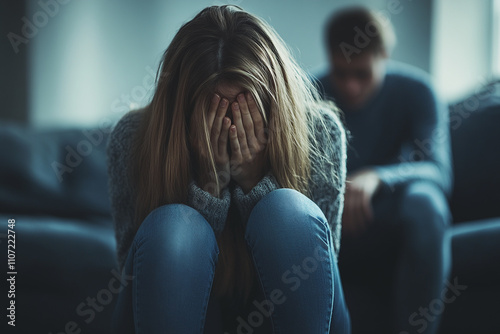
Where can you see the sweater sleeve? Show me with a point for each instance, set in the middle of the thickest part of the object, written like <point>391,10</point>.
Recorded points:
<point>246,202</point>
<point>213,209</point>
<point>119,187</point>
<point>328,172</point>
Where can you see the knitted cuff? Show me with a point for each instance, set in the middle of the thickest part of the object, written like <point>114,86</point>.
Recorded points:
<point>213,209</point>
<point>246,202</point>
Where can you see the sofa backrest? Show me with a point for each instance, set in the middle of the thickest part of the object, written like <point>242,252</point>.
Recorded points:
<point>53,172</point>
<point>475,138</point>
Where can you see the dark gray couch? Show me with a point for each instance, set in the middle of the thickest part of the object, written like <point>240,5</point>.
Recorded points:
<point>66,265</point>
<point>64,237</point>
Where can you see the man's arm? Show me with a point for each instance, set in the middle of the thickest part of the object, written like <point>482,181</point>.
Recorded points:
<point>426,155</point>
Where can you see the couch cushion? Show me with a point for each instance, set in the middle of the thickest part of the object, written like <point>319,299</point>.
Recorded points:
<point>56,172</point>
<point>61,263</point>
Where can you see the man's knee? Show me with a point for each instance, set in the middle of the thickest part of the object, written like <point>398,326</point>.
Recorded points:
<point>424,213</point>
<point>424,199</point>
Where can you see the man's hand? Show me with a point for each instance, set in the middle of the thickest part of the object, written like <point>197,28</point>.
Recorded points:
<point>248,142</point>
<point>360,189</point>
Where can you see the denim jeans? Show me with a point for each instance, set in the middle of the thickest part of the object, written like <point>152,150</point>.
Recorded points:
<point>173,258</point>
<point>403,259</point>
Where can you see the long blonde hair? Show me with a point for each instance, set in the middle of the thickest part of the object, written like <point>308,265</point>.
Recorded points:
<point>223,44</point>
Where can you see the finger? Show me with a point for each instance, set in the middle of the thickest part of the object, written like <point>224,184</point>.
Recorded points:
<point>223,138</point>
<point>346,220</point>
<point>212,111</point>
<point>353,219</point>
<point>364,205</point>
<point>217,124</point>
<point>348,211</point>
<point>367,208</point>
<point>358,207</point>
<point>364,213</point>
<point>247,120</point>
<point>357,212</point>
<point>258,121</point>
<point>240,130</point>
<point>235,145</point>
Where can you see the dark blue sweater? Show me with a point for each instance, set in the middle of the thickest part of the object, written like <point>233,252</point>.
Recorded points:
<point>402,132</point>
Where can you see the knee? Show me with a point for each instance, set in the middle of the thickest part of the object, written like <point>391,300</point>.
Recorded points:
<point>424,211</point>
<point>285,211</point>
<point>176,229</point>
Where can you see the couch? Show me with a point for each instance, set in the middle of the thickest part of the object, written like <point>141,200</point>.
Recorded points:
<point>53,183</point>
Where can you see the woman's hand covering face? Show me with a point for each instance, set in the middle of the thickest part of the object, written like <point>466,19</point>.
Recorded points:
<point>248,141</point>
<point>238,148</point>
<point>219,125</point>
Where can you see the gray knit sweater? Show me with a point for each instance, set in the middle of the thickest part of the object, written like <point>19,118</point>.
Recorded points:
<point>327,192</point>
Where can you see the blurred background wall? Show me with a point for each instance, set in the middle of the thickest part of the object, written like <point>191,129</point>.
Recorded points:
<point>74,62</point>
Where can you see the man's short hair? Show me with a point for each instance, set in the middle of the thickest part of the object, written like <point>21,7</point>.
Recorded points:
<point>357,30</point>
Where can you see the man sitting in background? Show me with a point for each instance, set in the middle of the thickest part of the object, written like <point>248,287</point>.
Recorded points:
<point>399,174</point>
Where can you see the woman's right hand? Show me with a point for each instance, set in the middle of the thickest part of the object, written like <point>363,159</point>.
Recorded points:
<point>218,127</point>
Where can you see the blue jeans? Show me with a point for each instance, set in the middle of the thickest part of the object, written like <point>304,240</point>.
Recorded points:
<point>173,258</point>
<point>402,260</point>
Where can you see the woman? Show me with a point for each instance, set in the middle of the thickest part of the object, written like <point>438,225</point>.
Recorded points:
<point>227,189</point>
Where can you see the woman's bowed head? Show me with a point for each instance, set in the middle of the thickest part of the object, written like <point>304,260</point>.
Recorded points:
<point>231,103</point>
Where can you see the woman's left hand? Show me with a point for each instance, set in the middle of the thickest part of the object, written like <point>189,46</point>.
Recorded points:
<point>248,141</point>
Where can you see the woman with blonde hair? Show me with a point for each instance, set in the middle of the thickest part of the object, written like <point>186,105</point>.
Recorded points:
<point>227,189</point>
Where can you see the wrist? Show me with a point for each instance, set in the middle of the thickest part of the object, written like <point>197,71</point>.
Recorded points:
<point>247,186</point>
<point>248,183</point>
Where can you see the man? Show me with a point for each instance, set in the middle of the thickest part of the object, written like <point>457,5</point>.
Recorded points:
<point>399,175</point>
